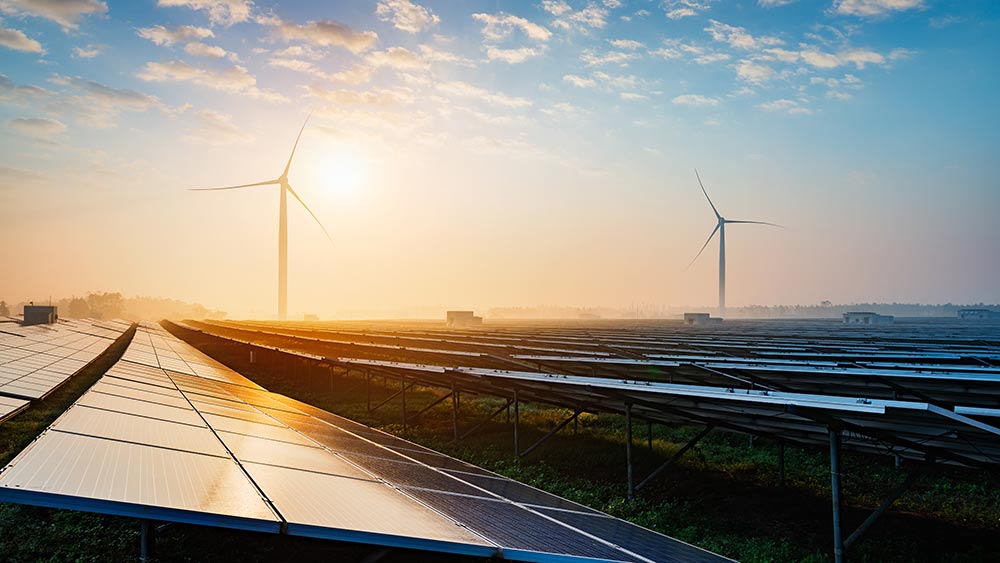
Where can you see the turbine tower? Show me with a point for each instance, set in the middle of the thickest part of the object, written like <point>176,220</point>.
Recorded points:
<point>720,227</point>
<point>286,189</point>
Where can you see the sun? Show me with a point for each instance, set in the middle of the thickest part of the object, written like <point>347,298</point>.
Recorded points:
<point>338,171</point>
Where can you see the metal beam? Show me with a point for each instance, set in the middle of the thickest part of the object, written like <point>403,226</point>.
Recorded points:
<point>487,419</point>
<point>677,455</point>
<point>550,434</point>
<point>436,402</point>
<point>886,503</point>
<point>389,398</point>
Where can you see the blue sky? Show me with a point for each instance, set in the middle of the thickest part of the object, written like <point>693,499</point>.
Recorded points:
<point>459,145</point>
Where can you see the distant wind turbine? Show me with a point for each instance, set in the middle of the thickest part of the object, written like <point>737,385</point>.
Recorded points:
<point>286,189</point>
<point>720,228</point>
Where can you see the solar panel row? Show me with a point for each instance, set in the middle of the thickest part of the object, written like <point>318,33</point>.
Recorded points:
<point>843,367</point>
<point>906,428</point>
<point>35,360</point>
<point>170,434</point>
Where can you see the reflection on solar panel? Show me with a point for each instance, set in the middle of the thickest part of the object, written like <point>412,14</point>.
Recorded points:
<point>35,360</point>
<point>169,434</point>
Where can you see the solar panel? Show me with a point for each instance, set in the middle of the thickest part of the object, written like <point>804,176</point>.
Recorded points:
<point>156,443</point>
<point>35,360</point>
<point>10,407</point>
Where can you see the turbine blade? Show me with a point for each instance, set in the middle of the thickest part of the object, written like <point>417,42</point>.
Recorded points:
<point>291,191</point>
<point>267,183</point>
<point>289,164</point>
<point>706,194</point>
<point>756,223</point>
<point>715,230</point>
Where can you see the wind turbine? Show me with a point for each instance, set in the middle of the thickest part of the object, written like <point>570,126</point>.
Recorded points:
<point>286,189</point>
<point>720,228</point>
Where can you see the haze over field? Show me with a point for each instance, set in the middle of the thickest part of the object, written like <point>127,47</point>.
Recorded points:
<point>496,154</point>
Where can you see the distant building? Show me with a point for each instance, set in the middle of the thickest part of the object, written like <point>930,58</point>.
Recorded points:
<point>463,319</point>
<point>40,314</point>
<point>700,319</point>
<point>978,314</point>
<point>867,318</point>
<point>310,317</point>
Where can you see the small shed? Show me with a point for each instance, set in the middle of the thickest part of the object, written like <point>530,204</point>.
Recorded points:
<point>40,314</point>
<point>462,319</point>
<point>867,318</point>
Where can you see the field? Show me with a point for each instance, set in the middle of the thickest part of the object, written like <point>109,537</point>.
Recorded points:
<point>724,494</point>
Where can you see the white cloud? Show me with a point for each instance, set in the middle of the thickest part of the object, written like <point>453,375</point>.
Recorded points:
<point>21,94</point>
<point>397,58</point>
<point>695,100</point>
<point>773,3</point>
<point>710,58</point>
<point>322,33</point>
<point>88,52</point>
<point>580,81</point>
<point>200,49</point>
<point>556,7</point>
<point>64,12</point>
<point>629,44</point>
<point>784,105</point>
<point>738,37</point>
<point>464,89</point>
<point>593,58</point>
<point>591,17</point>
<point>224,12</point>
<point>406,15</point>
<point>376,98</point>
<point>234,79</point>
<point>633,96</point>
<point>38,127</point>
<point>874,8</point>
<point>511,56</point>
<point>433,54</point>
<point>497,27</point>
<point>215,128</point>
<point>678,9</point>
<point>754,73</point>
<point>16,39</point>
<point>96,104</point>
<point>165,36</point>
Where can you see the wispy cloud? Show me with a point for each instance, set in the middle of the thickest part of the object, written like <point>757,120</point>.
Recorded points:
<point>220,12</point>
<point>874,8</point>
<point>321,33</point>
<point>695,100</point>
<point>406,15</point>
<point>16,39</point>
<point>233,79</point>
<point>214,128</point>
<point>466,90</point>
<point>88,52</point>
<point>66,13</point>
<point>785,106</point>
<point>497,27</point>
<point>39,127</point>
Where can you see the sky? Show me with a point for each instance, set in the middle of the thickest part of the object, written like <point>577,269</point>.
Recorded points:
<point>495,153</point>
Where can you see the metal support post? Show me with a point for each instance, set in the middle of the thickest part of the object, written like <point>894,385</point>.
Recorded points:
<point>454,411</point>
<point>781,463</point>
<point>838,538</point>
<point>628,450</point>
<point>402,391</point>
<point>368,390</point>
<point>517,421</point>
<point>886,503</point>
<point>147,542</point>
<point>649,434</point>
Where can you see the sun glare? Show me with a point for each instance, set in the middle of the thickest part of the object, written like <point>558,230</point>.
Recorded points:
<point>338,172</point>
